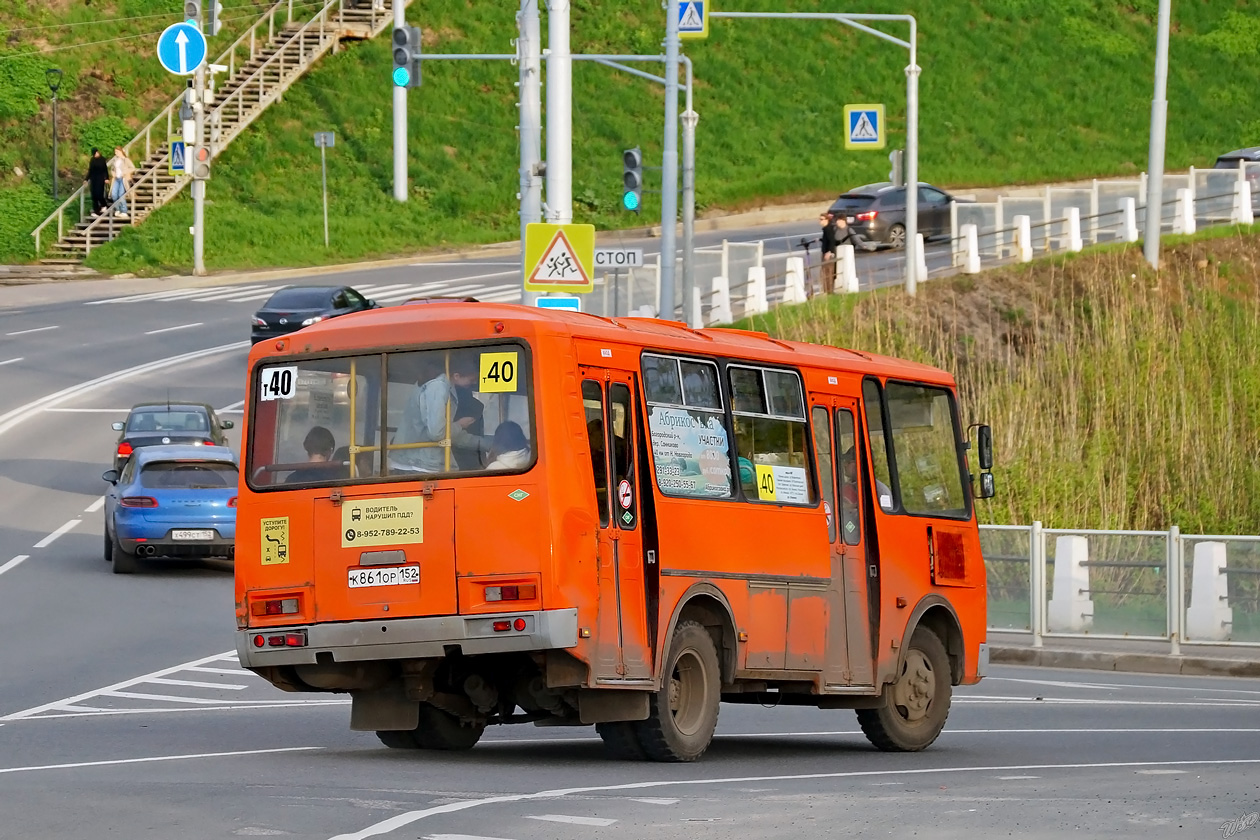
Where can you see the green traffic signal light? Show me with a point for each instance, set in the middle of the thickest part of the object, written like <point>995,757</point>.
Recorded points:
<point>630,200</point>
<point>632,179</point>
<point>401,76</point>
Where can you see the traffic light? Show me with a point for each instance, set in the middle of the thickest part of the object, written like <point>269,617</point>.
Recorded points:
<point>632,179</point>
<point>407,56</point>
<point>214,18</point>
<point>198,163</point>
<point>192,10</point>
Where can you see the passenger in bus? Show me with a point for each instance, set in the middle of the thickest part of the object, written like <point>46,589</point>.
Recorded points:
<point>469,414</point>
<point>319,445</point>
<point>510,449</point>
<point>848,469</point>
<point>424,420</point>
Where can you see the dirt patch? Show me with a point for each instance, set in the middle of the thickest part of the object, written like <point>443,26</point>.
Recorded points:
<point>451,151</point>
<point>433,37</point>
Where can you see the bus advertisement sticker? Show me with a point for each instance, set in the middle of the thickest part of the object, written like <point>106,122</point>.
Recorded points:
<point>391,521</point>
<point>498,373</point>
<point>782,484</point>
<point>275,540</point>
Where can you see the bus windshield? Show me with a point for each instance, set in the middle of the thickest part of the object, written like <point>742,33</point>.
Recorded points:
<point>392,415</point>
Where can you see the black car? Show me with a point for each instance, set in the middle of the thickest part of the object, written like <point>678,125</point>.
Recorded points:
<point>1236,159</point>
<point>156,424</point>
<point>294,307</point>
<point>878,212</point>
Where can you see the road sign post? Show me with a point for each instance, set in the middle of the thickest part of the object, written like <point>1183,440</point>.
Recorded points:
<point>325,140</point>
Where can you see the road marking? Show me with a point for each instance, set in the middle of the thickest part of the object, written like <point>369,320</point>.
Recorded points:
<point>11,361</point>
<point>88,711</point>
<point>220,295</point>
<point>95,506</point>
<point>1144,687</point>
<point>400,820</point>
<point>564,818</point>
<point>11,418</point>
<point>171,698</point>
<point>172,329</point>
<point>48,540</point>
<point>89,410</point>
<point>1159,772</point>
<point>647,801</point>
<point>458,837</point>
<point>1016,778</point>
<point>14,563</point>
<point>460,264</point>
<point>165,294</point>
<point>149,759</point>
<point>195,684</point>
<point>28,332</point>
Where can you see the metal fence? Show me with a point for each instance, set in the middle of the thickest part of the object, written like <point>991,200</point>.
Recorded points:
<point>1156,585</point>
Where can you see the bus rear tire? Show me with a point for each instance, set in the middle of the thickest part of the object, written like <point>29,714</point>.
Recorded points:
<point>439,730</point>
<point>621,740</point>
<point>683,714</point>
<point>398,739</point>
<point>914,707</point>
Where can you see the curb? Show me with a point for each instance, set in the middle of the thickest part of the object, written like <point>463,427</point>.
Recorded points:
<point>1142,663</point>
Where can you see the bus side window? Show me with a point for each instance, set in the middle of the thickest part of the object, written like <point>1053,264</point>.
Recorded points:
<point>822,455</point>
<point>593,403</point>
<point>873,396</point>
<point>850,492</point>
<point>621,415</point>
<point>771,436</point>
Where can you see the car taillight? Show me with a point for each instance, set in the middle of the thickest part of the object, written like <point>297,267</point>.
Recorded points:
<point>232,501</point>
<point>524,592</point>
<point>867,216</point>
<point>138,502</point>
<point>259,322</point>
<point>208,442</point>
<point>125,449</point>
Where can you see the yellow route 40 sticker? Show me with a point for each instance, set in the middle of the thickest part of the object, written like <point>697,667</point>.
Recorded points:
<point>396,520</point>
<point>499,373</point>
<point>275,541</point>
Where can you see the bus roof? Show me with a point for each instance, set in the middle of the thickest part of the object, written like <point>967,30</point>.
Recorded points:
<point>443,321</point>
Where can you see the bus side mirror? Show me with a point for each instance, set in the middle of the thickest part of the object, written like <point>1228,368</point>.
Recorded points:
<point>987,489</point>
<point>984,447</point>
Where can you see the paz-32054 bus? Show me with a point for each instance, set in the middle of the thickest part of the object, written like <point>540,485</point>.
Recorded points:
<point>468,514</point>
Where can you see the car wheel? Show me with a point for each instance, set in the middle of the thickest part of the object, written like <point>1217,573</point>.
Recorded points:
<point>897,236</point>
<point>125,563</point>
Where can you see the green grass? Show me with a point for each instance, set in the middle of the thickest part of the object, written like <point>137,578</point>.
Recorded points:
<point>1012,91</point>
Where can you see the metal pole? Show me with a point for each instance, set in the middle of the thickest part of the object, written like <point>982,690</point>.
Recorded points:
<point>56,197</point>
<point>323,161</point>
<point>1159,117</point>
<point>400,119</point>
<point>559,115</point>
<point>530,50</point>
<point>669,165</point>
<point>912,166</point>
<point>199,187</point>
<point>689,120</point>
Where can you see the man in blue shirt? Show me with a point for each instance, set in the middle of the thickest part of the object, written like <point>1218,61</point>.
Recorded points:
<point>425,420</point>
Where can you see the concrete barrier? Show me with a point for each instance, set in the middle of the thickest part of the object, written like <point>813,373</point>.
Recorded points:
<point>971,249</point>
<point>1129,231</point>
<point>1023,238</point>
<point>1071,608</point>
<point>756,302</point>
<point>846,268</point>
<point>721,313</point>
<point>1209,617</point>
<point>1183,221</point>
<point>1072,227</point>
<point>794,291</point>
<point>1243,214</point>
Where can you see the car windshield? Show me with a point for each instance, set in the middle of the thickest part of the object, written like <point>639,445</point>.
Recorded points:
<point>188,475</point>
<point>299,299</point>
<point>167,420</point>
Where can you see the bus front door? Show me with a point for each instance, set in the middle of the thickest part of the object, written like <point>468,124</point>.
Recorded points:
<point>622,647</point>
<point>848,661</point>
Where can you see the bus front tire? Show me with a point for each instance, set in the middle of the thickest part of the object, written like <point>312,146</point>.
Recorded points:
<point>683,714</point>
<point>915,706</point>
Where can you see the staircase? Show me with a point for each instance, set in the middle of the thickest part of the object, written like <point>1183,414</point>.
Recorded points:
<point>260,66</point>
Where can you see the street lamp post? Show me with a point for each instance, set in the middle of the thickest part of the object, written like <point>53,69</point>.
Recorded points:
<point>53,76</point>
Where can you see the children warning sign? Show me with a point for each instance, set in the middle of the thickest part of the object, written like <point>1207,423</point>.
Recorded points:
<point>559,258</point>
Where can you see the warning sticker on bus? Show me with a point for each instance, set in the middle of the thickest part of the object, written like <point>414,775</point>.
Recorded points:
<point>275,541</point>
<point>389,521</point>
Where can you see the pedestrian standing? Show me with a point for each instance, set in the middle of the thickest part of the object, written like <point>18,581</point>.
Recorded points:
<point>120,169</point>
<point>97,175</point>
<point>827,245</point>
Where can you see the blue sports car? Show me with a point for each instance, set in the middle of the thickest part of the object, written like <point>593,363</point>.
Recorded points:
<point>171,501</point>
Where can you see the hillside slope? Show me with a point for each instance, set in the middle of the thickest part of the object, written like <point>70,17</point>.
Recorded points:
<point>1011,91</point>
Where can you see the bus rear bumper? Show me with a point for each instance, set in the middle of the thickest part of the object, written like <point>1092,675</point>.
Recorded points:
<point>410,638</point>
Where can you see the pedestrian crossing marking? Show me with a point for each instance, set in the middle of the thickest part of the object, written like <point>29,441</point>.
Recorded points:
<point>864,130</point>
<point>483,288</point>
<point>864,127</point>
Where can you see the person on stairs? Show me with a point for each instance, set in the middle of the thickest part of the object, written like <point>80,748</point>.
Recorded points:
<point>120,169</point>
<point>97,175</point>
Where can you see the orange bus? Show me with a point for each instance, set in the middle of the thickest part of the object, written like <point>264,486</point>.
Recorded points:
<point>465,514</point>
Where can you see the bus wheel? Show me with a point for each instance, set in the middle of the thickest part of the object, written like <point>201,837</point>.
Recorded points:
<point>684,712</point>
<point>439,730</point>
<point>914,708</point>
<point>398,739</point>
<point>621,740</point>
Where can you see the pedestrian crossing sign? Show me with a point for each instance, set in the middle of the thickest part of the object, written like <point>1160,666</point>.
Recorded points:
<point>176,159</point>
<point>864,127</point>
<point>693,19</point>
<point>559,258</point>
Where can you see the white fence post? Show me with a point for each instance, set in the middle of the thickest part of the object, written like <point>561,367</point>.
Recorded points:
<point>1128,206</point>
<point>1071,608</point>
<point>846,268</point>
<point>794,291</point>
<point>1242,203</point>
<point>1176,591</point>
<point>697,309</point>
<point>1073,229</point>
<point>1037,582</point>
<point>1023,238</point>
<point>1209,617</point>
<point>971,249</point>
<point>756,302</point>
<point>726,258</point>
<point>920,255</point>
<point>721,311</point>
<point>1183,222</point>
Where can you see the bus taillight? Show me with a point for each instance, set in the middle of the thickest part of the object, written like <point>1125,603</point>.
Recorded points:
<point>524,592</point>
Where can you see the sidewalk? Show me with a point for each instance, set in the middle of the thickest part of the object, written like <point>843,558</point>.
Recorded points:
<point>1130,655</point>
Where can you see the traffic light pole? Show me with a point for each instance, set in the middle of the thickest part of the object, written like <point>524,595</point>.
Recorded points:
<point>669,165</point>
<point>400,119</point>
<point>199,186</point>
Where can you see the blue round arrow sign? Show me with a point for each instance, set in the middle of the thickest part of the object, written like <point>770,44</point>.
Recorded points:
<point>181,49</point>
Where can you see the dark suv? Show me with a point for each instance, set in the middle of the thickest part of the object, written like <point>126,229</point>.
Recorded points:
<point>878,212</point>
<point>158,424</point>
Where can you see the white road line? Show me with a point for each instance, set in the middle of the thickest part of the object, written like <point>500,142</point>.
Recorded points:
<point>11,418</point>
<point>401,820</point>
<point>460,264</point>
<point>195,684</point>
<point>165,294</point>
<point>170,698</point>
<point>232,292</point>
<point>95,506</point>
<point>172,329</point>
<point>11,361</point>
<point>649,801</point>
<point>122,411</point>
<point>237,671</point>
<point>1016,778</point>
<point>1143,687</point>
<point>373,291</point>
<point>149,759</point>
<point>89,711</point>
<point>48,540</point>
<point>450,291</point>
<point>28,332</point>
<point>459,837</point>
<point>1159,772</point>
<point>14,563</point>
<point>1066,701</point>
<point>227,409</point>
<point>599,822</point>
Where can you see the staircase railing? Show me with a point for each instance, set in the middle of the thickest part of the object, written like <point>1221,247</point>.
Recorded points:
<point>249,40</point>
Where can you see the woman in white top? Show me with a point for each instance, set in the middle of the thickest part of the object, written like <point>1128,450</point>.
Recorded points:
<point>510,449</point>
<point>120,170</point>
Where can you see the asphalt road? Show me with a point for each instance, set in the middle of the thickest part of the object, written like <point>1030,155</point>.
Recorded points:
<point>122,714</point>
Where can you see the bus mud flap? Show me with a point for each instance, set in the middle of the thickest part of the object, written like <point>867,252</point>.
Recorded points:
<point>385,709</point>
<point>608,705</point>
